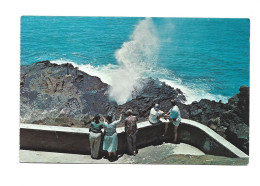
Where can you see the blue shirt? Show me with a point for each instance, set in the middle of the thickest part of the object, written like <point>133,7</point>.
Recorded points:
<point>96,127</point>
<point>175,112</point>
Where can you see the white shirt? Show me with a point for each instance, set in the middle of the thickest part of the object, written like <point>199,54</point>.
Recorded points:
<point>154,114</point>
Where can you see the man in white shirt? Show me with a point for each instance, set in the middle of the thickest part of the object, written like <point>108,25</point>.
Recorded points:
<point>155,114</point>
<point>174,117</point>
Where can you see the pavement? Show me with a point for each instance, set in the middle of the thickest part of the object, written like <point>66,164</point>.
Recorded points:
<point>147,155</point>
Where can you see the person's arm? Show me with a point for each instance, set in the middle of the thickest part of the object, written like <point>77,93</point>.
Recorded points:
<point>118,121</point>
<point>105,124</point>
<point>120,118</point>
<point>90,128</point>
<point>167,115</point>
<point>104,120</point>
<point>160,114</point>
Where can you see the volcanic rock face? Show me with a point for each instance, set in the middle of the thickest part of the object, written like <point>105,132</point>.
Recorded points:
<point>47,92</point>
<point>153,92</point>
<point>63,95</point>
<point>230,120</point>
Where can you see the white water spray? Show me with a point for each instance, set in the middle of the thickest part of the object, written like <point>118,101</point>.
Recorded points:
<point>138,58</point>
<point>135,57</point>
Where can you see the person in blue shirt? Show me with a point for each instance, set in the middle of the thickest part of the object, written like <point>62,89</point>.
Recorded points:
<point>110,142</point>
<point>174,117</point>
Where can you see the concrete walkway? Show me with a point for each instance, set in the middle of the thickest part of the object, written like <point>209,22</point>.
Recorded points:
<point>147,155</point>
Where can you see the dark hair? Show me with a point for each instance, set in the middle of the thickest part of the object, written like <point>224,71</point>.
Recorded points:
<point>109,118</point>
<point>173,102</point>
<point>96,118</point>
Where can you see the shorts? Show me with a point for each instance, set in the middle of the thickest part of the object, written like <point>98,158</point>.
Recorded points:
<point>159,122</point>
<point>175,123</point>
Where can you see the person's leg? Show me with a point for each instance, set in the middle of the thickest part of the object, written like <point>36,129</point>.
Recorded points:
<point>114,153</point>
<point>129,144</point>
<point>96,145</point>
<point>175,134</point>
<point>115,143</point>
<point>134,144</point>
<point>166,127</point>
<point>91,144</point>
<point>109,154</point>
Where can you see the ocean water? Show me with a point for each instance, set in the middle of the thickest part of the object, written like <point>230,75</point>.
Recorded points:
<point>205,58</point>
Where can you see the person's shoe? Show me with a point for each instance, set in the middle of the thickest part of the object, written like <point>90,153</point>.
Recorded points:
<point>176,142</point>
<point>134,153</point>
<point>109,157</point>
<point>115,158</point>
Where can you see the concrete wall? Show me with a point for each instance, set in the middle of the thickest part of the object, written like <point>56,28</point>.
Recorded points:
<point>76,140</point>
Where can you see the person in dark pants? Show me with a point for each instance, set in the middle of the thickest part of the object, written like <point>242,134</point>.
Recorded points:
<point>131,131</point>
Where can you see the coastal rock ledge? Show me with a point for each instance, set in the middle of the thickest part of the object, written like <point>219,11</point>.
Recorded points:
<point>63,95</point>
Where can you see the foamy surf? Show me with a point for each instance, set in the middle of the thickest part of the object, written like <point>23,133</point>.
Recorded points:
<point>104,72</point>
<point>193,92</point>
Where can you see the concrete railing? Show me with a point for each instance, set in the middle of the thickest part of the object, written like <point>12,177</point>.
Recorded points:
<point>76,140</point>
<point>207,140</point>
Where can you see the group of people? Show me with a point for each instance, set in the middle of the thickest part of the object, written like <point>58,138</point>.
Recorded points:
<point>110,142</point>
<point>173,116</point>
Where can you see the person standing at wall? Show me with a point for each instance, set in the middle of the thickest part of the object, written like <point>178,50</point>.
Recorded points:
<point>174,117</point>
<point>110,142</point>
<point>95,136</point>
<point>131,131</point>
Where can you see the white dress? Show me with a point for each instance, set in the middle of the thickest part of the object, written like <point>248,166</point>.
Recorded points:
<point>110,140</point>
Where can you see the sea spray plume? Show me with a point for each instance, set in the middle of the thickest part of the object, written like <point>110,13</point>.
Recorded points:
<point>135,58</point>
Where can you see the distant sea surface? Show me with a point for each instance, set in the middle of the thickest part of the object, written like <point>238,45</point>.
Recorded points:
<point>205,58</point>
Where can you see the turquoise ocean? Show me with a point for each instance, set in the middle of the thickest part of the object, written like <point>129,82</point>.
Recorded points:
<point>205,58</point>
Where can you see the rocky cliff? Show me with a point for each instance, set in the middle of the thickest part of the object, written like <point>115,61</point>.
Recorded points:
<point>230,120</point>
<point>63,95</point>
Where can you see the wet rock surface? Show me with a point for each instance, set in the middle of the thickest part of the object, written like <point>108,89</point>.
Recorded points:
<point>54,94</point>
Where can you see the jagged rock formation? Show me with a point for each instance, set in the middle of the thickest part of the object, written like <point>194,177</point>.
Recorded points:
<point>63,95</point>
<point>50,96</point>
<point>48,93</point>
<point>153,92</point>
<point>230,120</point>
